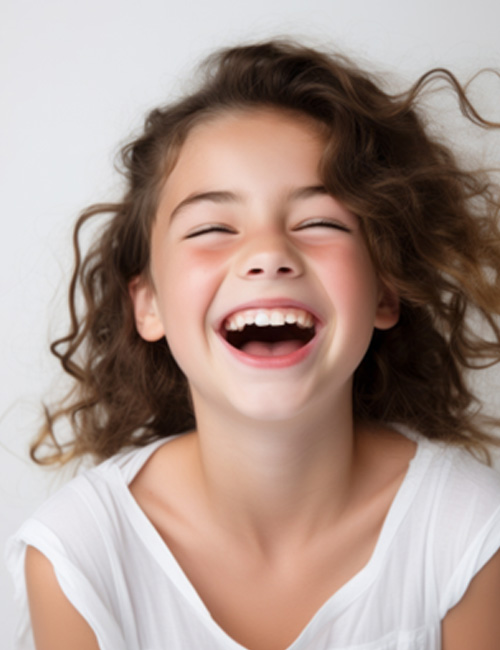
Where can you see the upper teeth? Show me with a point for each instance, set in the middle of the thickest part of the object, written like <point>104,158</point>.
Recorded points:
<point>268,317</point>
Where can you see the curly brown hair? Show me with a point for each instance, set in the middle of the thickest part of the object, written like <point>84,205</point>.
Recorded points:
<point>431,227</point>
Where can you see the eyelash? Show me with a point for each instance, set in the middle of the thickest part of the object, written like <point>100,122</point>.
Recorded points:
<point>327,223</point>
<point>209,229</point>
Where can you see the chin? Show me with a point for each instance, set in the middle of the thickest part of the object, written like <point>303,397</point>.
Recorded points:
<point>274,405</point>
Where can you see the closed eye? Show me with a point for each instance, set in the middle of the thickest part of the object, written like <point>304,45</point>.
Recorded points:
<point>322,223</point>
<point>210,228</point>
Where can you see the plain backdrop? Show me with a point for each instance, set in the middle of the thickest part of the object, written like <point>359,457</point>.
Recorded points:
<point>76,79</point>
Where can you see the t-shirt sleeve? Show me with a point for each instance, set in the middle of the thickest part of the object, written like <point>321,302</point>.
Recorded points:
<point>79,585</point>
<point>482,549</point>
<point>470,529</point>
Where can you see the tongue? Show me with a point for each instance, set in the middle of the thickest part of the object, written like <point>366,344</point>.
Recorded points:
<point>277,349</point>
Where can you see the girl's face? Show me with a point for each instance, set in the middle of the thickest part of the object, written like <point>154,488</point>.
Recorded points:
<point>261,282</point>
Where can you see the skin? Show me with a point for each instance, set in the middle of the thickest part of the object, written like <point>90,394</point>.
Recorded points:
<point>278,479</point>
<point>55,622</point>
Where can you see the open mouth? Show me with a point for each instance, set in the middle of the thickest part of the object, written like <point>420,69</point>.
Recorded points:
<point>269,332</point>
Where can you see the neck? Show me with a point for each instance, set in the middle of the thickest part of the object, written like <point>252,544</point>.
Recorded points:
<point>269,482</point>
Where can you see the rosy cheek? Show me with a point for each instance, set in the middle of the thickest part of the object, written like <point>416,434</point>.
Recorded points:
<point>203,266</point>
<point>349,276</point>
<point>189,280</point>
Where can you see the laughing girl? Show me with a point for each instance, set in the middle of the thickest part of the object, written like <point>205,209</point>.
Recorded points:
<point>271,369</point>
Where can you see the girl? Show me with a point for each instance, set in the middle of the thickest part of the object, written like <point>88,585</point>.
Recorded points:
<point>288,283</point>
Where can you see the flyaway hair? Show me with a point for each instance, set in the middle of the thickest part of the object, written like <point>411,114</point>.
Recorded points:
<point>431,227</point>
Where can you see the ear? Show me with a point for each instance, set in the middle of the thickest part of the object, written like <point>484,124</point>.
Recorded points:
<point>147,320</point>
<point>388,308</point>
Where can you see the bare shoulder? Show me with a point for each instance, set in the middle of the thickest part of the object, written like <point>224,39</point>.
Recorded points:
<point>56,624</point>
<point>475,621</point>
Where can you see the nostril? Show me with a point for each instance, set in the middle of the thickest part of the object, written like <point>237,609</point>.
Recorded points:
<point>281,270</point>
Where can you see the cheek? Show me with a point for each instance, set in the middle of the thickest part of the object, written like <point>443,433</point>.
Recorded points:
<point>198,275</point>
<point>350,279</point>
<point>185,285</point>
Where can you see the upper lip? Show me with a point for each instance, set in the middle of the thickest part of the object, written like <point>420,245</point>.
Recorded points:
<point>269,303</point>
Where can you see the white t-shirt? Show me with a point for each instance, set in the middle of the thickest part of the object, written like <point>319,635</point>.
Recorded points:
<point>112,564</point>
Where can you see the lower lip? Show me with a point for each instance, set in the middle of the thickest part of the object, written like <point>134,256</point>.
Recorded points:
<point>272,362</point>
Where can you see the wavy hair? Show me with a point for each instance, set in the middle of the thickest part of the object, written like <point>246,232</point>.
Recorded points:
<point>431,227</point>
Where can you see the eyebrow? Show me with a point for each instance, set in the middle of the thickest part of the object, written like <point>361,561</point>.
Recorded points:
<point>231,197</point>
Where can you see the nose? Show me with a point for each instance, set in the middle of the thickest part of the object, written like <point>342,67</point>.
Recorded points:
<point>269,258</point>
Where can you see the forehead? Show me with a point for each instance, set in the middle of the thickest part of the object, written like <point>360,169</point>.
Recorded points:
<point>241,146</point>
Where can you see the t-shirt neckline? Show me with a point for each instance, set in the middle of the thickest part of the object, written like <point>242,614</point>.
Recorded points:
<point>334,605</point>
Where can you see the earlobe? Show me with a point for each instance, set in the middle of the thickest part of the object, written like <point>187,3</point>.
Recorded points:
<point>388,308</point>
<point>147,320</point>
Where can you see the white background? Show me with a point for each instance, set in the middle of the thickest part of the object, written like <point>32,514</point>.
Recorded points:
<point>76,79</point>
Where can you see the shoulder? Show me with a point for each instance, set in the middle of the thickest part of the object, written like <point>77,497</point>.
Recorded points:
<point>454,473</point>
<point>79,543</point>
<point>448,540</point>
<point>81,524</point>
<point>461,508</point>
<point>461,493</point>
<point>79,505</point>
<point>95,495</point>
<point>468,488</point>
